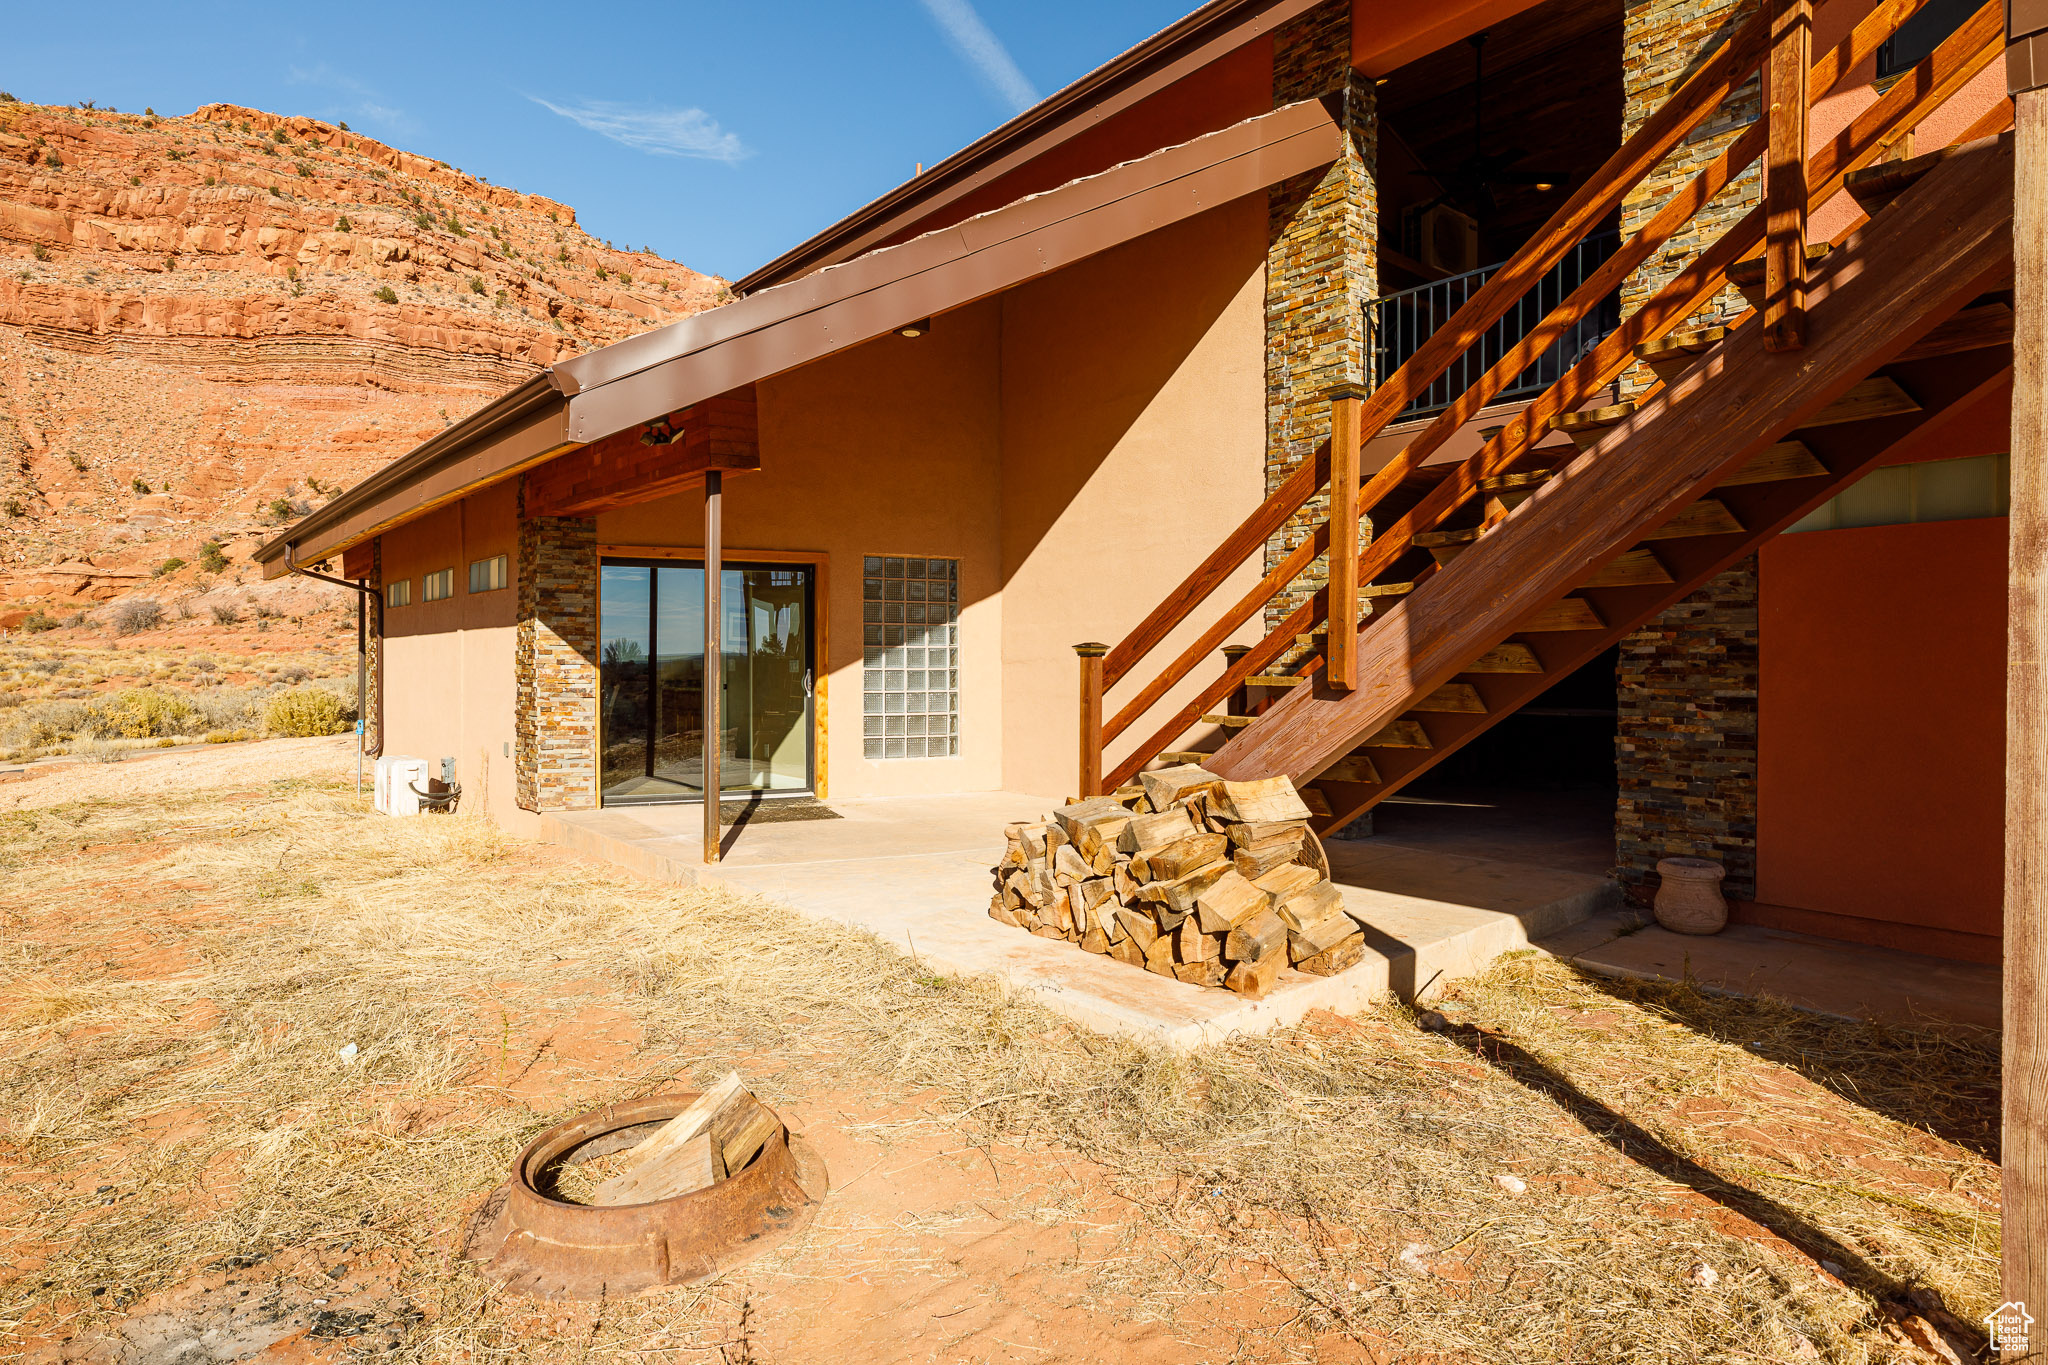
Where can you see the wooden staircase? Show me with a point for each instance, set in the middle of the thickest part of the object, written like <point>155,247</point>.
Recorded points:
<point>1529,558</point>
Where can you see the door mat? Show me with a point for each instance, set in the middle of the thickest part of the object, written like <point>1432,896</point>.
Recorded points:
<point>783,810</point>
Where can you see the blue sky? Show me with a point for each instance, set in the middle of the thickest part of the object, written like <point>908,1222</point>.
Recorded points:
<point>718,134</point>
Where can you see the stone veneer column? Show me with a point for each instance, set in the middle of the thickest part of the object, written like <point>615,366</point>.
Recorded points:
<point>1685,746</point>
<point>1321,269</point>
<point>373,656</point>
<point>555,745</point>
<point>1662,42</point>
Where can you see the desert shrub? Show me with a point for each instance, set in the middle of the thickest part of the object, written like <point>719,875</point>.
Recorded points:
<point>225,614</point>
<point>40,252</point>
<point>46,667</point>
<point>138,485</point>
<point>12,507</point>
<point>342,224</point>
<point>476,284</point>
<point>384,294</point>
<point>280,135</point>
<point>294,673</point>
<point>78,462</point>
<point>305,170</point>
<point>211,559</point>
<point>169,566</point>
<point>137,613</point>
<point>37,623</point>
<point>280,509</point>
<point>304,711</point>
<point>225,708</point>
<point>203,665</point>
<point>227,736</point>
<point>143,713</point>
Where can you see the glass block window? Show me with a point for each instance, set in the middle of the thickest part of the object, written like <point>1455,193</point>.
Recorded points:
<point>399,593</point>
<point>438,585</point>
<point>910,676</point>
<point>488,575</point>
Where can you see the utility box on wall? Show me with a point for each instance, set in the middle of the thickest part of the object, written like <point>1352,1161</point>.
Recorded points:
<point>396,776</point>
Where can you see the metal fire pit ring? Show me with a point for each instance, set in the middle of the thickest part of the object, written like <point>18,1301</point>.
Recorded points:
<point>554,1249</point>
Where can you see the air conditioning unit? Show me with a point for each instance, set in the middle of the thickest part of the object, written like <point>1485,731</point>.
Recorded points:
<point>1447,240</point>
<point>395,775</point>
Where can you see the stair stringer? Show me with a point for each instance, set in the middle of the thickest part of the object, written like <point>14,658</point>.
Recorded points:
<point>1936,247</point>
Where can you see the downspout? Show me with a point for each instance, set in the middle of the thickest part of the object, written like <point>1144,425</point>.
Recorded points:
<point>366,597</point>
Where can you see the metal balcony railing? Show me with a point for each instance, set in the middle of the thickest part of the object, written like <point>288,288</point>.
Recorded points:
<point>1398,324</point>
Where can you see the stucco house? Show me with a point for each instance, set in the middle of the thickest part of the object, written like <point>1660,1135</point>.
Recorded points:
<point>1647,481</point>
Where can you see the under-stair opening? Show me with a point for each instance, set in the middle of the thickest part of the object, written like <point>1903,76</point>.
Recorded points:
<point>1539,787</point>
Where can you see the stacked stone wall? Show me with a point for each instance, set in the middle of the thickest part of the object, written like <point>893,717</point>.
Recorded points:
<point>555,733</point>
<point>1321,270</point>
<point>1663,42</point>
<point>1686,746</point>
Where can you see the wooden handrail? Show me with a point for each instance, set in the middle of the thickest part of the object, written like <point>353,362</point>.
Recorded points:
<point>1251,535</point>
<point>1600,195</point>
<point>1932,83</point>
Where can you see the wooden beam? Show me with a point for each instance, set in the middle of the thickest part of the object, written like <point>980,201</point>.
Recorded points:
<point>1785,203</point>
<point>2024,1150</point>
<point>653,460</point>
<point>1340,666</point>
<point>714,657</point>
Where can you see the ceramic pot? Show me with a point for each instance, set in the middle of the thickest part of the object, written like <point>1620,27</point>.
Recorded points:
<point>1690,901</point>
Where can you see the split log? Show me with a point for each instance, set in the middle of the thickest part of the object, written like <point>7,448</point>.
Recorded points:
<point>1262,801</point>
<point>1187,855</point>
<point>1167,786</point>
<point>1255,979</point>
<point>1336,958</point>
<point>1227,901</point>
<point>668,1161</point>
<point>1147,833</point>
<point>1256,938</point>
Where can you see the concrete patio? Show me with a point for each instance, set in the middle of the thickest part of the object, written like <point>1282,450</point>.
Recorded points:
<point>914,871</point>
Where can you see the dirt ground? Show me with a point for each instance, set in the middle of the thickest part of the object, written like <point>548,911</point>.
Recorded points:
<point>1553,1168</point>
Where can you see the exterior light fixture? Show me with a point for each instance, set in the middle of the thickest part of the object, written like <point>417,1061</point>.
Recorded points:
<point>915,329</point>
<point>660,432</point>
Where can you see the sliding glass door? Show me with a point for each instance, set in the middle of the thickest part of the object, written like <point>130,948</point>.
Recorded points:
<point>651,680</point>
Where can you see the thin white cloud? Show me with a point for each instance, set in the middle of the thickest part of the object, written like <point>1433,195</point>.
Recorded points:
<point>362,101</point>
<point>983,50</point>
<point>664,132</point>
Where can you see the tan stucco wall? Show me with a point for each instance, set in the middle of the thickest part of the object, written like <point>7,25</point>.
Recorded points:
<point>890,448</point>
<point>1078,444</point>
<point>449,664</point>
<point>1133,441</point>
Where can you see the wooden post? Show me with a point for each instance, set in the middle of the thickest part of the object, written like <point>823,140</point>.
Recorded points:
<point>2024,1148</point>
<point>1340,651</point>
<point>1091,716</point>
<point>1785,98</point>
<point>714,655</point>
<point>1238,703</point>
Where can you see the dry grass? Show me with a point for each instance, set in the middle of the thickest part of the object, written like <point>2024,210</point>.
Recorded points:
<point>179,975</point>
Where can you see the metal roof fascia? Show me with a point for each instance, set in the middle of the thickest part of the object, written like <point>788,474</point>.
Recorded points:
<point>406,473</point>
<point>1180,49</point>
<point>1150,194</point>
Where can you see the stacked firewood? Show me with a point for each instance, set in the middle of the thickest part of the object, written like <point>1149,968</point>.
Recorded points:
<point>1214,883</point>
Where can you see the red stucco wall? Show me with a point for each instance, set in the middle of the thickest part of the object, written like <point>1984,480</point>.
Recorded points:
<point>1881,734</point>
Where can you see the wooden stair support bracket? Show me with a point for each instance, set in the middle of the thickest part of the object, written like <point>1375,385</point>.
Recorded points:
<point>1785,100</point>
<point>1931,83</point>
<point>1914,267</point>
<point>1340,655</point>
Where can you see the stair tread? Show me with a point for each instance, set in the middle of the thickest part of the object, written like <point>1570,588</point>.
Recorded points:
<point>1530,478</point>
<point>1228,722</point>
<point>1462,698</point>
<point>1877,396</point>
<point>1629,569</point>
<point>1785,460</point>
<point>1875,186</point>
<point>1691,342</point>
<point>1511,656</point>
<point>1594,419</point>
<point>1707,517</point>
<point>1194,756</point>
<point>1463,536</point>
<point>1275,680</point>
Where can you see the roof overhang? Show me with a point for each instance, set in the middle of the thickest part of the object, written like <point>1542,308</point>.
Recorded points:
<point>1209,34</point>
<point>589,397</point>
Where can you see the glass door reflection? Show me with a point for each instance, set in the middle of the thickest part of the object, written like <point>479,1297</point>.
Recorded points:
<point>652,684</point>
